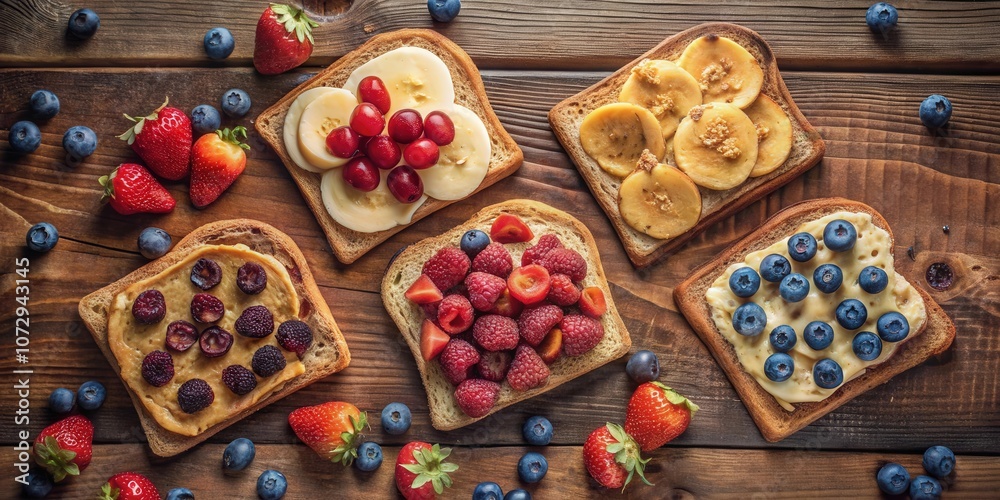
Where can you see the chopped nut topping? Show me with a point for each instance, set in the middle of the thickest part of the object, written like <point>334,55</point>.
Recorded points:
<point>647,72</point>
<point>658,198</point>
<point>762,131</point>
<point>716,72</point>
<point>696,112</point>
<point>647,161</point>
<point>661,105</point>
<point>719,137</point>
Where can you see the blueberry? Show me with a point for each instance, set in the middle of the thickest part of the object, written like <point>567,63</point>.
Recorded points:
<point>840,235</point>
<point>41,237</point>
<point>61,400</point>
<point>396,418</point>
<point>852,314</point>
<point>39,484</point>
<point>818,335</point>
<point>935,111</point>
<point>24,137</point>
<point>90,395</point>
<point>531,468</point>
<point>235,103</point>
<point>828,278</point>
<point>643,366</point>
<point>925,488</point>
<point>782,338</point>
<point>893,479</point>
<point>473,242</point>
<point>827,373</point>
<point>487,491</point>
<point>180,494</point>
<point>369,456</point>
<point>939,461</point>
<point>779,367</point>
<point>802,247</point>
<point>44,104</point>
<point>867,346</point>
<point>238,454</point>
<point>881,17</point>
<point>774,267</point>
<point>749,319</point>
<point>219,43</point>
<point>537,430</point>
<point>794,287</point>
<point>744,282</point>
<point>205,119</point>
<point>517,494</point>
<point>84,23</point>
<point>444,10</point>
<point>873,279</point>
<point>271,485</point>
<point>153,242</point>
<point>892,327</point>
<point>79,142</point>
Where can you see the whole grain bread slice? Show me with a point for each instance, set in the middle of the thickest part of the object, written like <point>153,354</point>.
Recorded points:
<point>349,245</point>
<point>327,355</point>
<point>774,422</point>
<point>542,219</point>
<point>566,117</point>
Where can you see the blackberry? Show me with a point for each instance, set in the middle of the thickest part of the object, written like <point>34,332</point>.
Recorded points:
<point>195,395</point>
<point>255,321</point>
<point>238,379</point>
<point>149,307</point>
<point>158,368</point>
<point>251,278</point>
<point>206,308</point>
<point>295,336</point>
<point>267,361</point>
<point>206,273</point>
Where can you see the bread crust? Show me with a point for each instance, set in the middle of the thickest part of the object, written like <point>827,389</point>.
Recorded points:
<point>406,266</point>
<point>328,354</point>
<point>643,250</point>
<point>349,245</point>
<point>776,423</point>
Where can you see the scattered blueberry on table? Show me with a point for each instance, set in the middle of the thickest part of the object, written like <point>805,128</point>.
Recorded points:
<point>235,103</point>
<point>180,494</point>
<point>39,484</point>
<point>925,488</point>
<point>643,366</point>
<point>219,43</point>
<point>531,468</point>
<point>41,237</point>
<point>79,142</point>
<point>238,454</point>
<point>444,10</point>
<point>939,461</point>
<point>24,137</point>
<point>517,494</point>
<point>369,456</point>
<point>205,119</point>
<point>537,430</point>
<point>882,18</point>
<point>44,104</point>
<point>396,418</point>
<point>90,395</point>
<point>893,479</point>
<point>487,490</point>
<point>153,242</point>
<point>83,23</point>
<point>61,400</point>
<point>935,111</point>
<point>271,485</point>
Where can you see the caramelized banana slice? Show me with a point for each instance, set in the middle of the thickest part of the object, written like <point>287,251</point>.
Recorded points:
<point>724,69</point>
<point>716,145</point>
<point>774,135</point>
<point>659,200</point>
<point>616,134</point>
<point>665,89</point>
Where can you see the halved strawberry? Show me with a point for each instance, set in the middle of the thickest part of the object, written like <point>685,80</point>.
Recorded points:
<point>551,346</point>
<point>529,284</point>
<point>507,305</point>
<point>509,228</point>
<point>592,302</point>
<point>423,291</point>
<point>432,340</point>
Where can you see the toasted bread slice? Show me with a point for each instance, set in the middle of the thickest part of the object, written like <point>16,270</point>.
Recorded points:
<point>566,117</point>
<point>774,422</point>
<point>349,245</point>
<point>542,219</point>
<point>328,353</point>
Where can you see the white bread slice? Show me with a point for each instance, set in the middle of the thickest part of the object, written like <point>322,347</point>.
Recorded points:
<point>542,219</point>
<point>327,355</point>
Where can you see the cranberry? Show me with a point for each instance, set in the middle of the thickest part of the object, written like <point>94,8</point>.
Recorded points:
<point>215,341</point>
<point>343,142</point>
<point>421,153</point>
<point>439,128</point>
<point>383,152</point>
<point>181,335</point>
<point>367,120</point>
<point>372,89</point>
<point>405,184</point>
<point>362,174</point>
<point>406,126</point>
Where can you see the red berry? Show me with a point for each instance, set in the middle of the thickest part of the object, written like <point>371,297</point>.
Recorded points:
<point>527,371</point>
<point>239,379</point>
<point>457,360</point>
<point>421,153</point>
<point>484,290</point>
<point>447,267</point>
<point>476,397</point>
<point>343,142</point>
<point>251,278</point>
<point>546,243</point>
<point>495,333</point>
<point>181,335</point>
<point>295,336</point>
<point>367,120</point>
<point>432,340</point>
<point>529,284</point>
<point>565,261</point>
<point>507,305</point>
<point>406,126</point>
<point>404,184</point>
<point>562,291</point>
<point>592,302</point>
<point>195,395</point>
<point>255,322</point>
<point>383,152</point>
<point>508,228</point>
<point>580,334</point>
<point>536,322</point>
<point>455,314</point>
<point>158,368</point>
<point>362,174</point>
<point>150,307</point>
<point>372,89</point>
<point>267,361</point>
<point>495,260</point>
<point>551,347</point>
<point>423,291</point>
<point>439,128</point>
<point>215,342</point>
<point>206,308</point>
<point>493,365</point>
<point>206,273</point>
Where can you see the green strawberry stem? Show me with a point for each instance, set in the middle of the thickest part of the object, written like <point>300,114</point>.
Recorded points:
<point>108,185</point>
<point>627,453</point>
<point>57,461</point>
<point>234,136</point>
<point>295,21</point>
<point>677,399</point>
<point>129,135</point>
<point>108,493</point>
<point>348,451</point>
<point>431,467</point>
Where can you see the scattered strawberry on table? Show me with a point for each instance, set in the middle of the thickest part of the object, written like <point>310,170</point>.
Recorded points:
<point>284,39</point>
<point>612,457</point>
<point>332,430</point>
<point>131,189</point>
<point>657,414</point>
<point>216,161</point>
<point>128,486</point>
<point>163,140</point>
<point>65,447</point>
<point>421,472</point>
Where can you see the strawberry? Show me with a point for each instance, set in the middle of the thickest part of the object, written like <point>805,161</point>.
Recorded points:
<point>284,39</point>
<point>612,457</point>
<point>131,189</point>
<point>423,291</point>
<point>65,447</point>
<point>128,486</point>
<point>333,430</point>
<point>163,140</point>
<point>508,228</point>
<point>421,472</point>
<point>657,414</point>
<point>433,340</point>
<point>216,161</point>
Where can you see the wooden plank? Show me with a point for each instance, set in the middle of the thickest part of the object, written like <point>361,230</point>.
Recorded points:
<point>600,34</point>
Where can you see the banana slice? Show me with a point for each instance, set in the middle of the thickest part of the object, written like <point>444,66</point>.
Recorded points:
<point>774,135</point>
<point>616,134</point>
<point>463,164</point>
<point>724,69</point>
<point>330,110</point>
<point>716,145</point>
<point>415,78</point>
<point>369,212</point>
<point>659,200</point>
<point>668,153</point>
<point>663,88</point>
<point>291,129</point>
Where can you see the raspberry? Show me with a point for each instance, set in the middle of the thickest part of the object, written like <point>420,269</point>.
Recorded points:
<point>484,289</point>
<point>565,261</point>
<point>295,336</point>
<point>562,291</point>
<point>195,395</point>
<point>455,314</point>
<point>457,359</point>
<point>158,368</point>
<point>206,308</point>
<point>251,278</point>
<point>149,307</point>
<point>255,321</point>
<point>206,273</point>
<point>238,379</point>
<point>447,267</point>
<point>580,334</point>
<point>496,333</point>
<point>546,243</point>
<point>430,310</point>
<point>535,323</point>
<point>493,365</point>
<point>267,361</point>
<point>495,260</point>
<point>476,396</point>
<point>527,371</point>
<point>181,335</point>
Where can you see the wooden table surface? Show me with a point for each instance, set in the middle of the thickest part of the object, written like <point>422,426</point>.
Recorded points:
<point>860,91</point>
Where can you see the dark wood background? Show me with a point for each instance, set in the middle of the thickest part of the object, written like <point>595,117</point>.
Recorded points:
<point>860,91</point>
